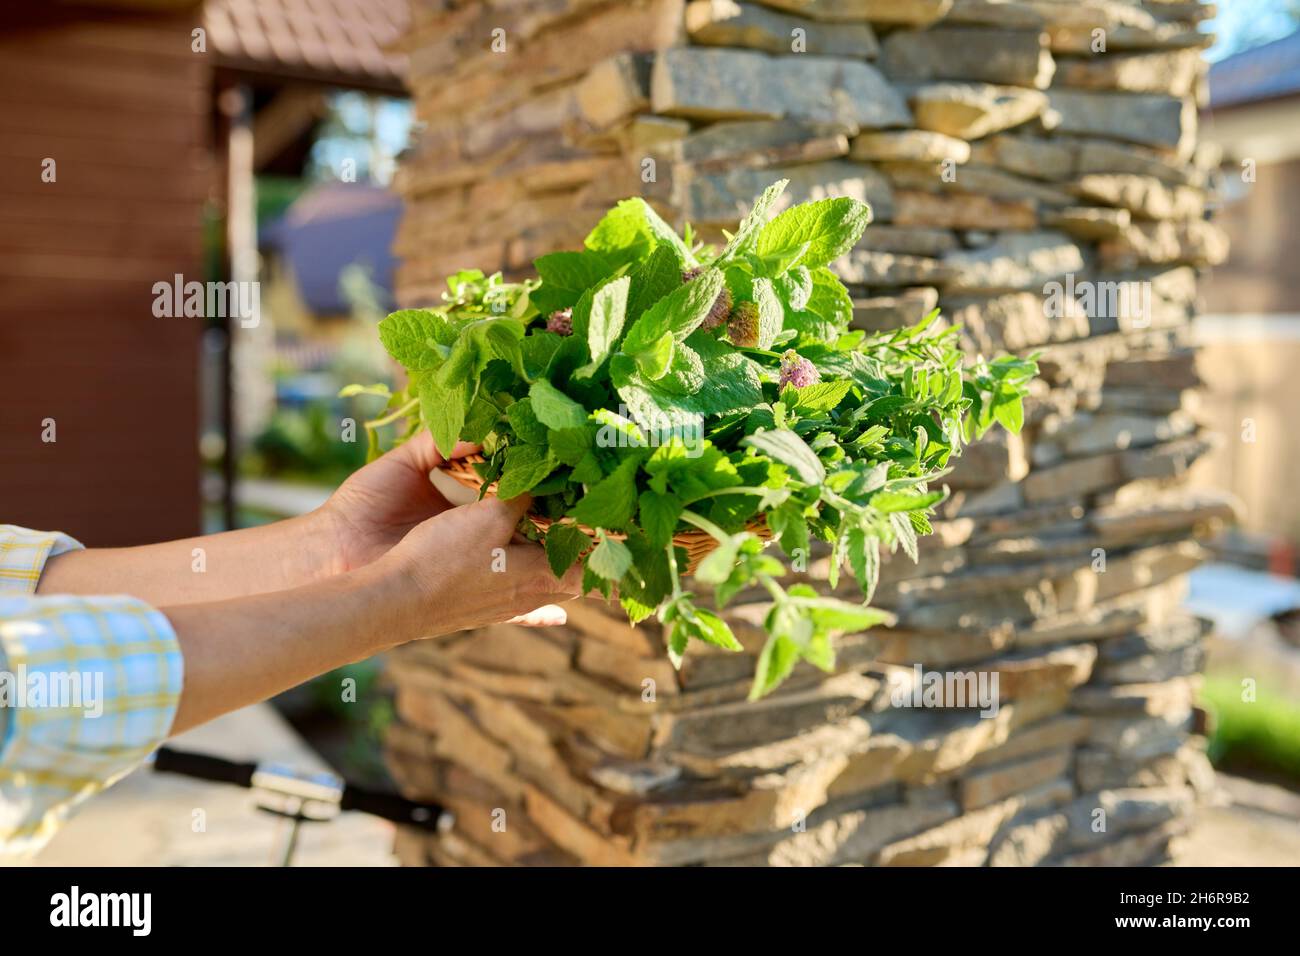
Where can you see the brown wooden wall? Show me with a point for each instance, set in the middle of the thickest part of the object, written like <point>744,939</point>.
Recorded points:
<point>122,105</point>
<point>1260,218</point>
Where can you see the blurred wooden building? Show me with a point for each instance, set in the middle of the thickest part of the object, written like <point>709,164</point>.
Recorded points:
<point>125,127</point>
<point>1250,330</point>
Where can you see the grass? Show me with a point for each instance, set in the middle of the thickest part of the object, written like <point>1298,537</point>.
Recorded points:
<point>1262,735</point>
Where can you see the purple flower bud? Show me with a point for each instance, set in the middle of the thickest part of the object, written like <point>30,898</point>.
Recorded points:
<point>561,322</point>
<point>797,371</point>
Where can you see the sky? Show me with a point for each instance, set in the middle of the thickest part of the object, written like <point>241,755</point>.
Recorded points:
<point>1242,24</point>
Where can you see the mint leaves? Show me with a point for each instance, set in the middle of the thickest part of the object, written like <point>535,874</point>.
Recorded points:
<point>417,338</point>
<point>819,232</point>
<point>604,323</point>
<point>675,316</point>
<point>553,408</point>
<point>646,387</point>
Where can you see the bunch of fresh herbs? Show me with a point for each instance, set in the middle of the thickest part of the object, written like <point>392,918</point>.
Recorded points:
<point>647,385</point>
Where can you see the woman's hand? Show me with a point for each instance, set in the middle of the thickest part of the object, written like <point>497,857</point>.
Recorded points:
<point>469,569</point>
<point>381,503</point>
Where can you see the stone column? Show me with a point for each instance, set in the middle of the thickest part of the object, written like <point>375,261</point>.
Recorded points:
<point>1034,172</point>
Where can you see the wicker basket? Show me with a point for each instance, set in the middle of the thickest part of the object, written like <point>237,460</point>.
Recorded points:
<point>696,544</point>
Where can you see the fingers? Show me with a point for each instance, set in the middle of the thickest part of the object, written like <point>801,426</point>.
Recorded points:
<point>502,514</point>
<point>421,452</point>
<point>548,615</point>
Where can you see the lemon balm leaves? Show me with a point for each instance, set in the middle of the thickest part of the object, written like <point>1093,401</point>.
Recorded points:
<point>565,543</point>
<point>610,559</point>
<point>660,513</point>
<point>526,466</point>
<point>611,502</point>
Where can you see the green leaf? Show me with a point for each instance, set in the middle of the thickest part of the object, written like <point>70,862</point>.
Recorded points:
<point>775,662</point>
<point>832,614</point>
<point>1010,412</point>
<point>481,418</point>
<point>443,409</point>
<point>718,563</point>
<point>820,396</point>
<point>381,390</point>
<point>864,559</point>
<point>746,238</point>
<point>711,629</point>
<point>659,516</point>
<point>565,543</point>
<point>795,288</point>
<point>666,235</point>
<point>553,408</point>
<point>570,445</point>
<point>526,465</point>
<point>611,559</point>
<point>496,339</point>
<point>771,314</point>
<point>623,234</point>
<point>464,277</point>
<point>654,362</point>
<point>566,276</point>
<point>650,580</point>
<point>830,299</point>
<point>538,349</point>
<point>636,609</point>
<point>615,431</point>
<point>830,227</point>
<point>690,472</point>
<point>905,533</point>
<point>685,374</point>
<point>591,581</point>
<point>587,471</point>
<point>788,448</point>
<point>680,312</point>
<point>888,502</point>
<point>656,277</point>
<point>605,323</point>
<point>413,337</point>
<point>612,502</point>
<point>524,421</point>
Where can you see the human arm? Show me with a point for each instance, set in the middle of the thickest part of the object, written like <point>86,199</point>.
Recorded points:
<point>368,514</point>
<point>455,571</point>
<point>151,673</point>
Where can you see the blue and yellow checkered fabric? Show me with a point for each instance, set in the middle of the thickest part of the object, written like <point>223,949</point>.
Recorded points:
<point>88,689</point>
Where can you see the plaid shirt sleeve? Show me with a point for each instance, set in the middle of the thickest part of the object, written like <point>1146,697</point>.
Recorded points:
<point>88,689</point>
